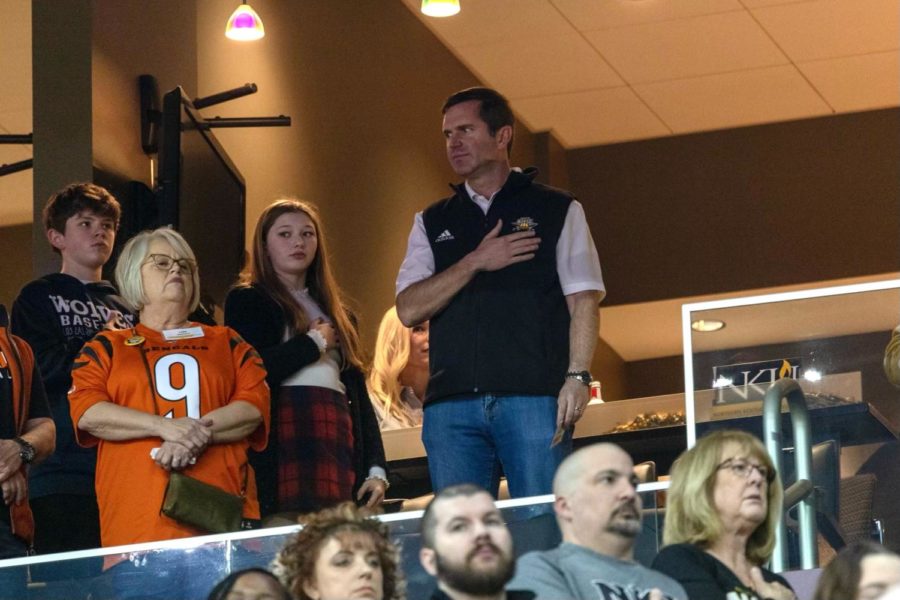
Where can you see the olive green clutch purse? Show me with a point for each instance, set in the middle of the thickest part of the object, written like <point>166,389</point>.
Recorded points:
<point>201,505</point>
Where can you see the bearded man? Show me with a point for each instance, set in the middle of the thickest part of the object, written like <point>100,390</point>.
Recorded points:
<point>467,547</point>
<point>598,511</point>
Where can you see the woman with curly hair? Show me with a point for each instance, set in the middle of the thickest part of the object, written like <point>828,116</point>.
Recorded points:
<point>399,372</point>
<point>340,553</point>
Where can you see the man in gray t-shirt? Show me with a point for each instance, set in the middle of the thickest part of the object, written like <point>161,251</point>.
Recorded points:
<point>599,514</point>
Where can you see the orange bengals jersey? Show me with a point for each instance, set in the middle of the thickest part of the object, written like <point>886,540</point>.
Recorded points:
<point>182,378</point>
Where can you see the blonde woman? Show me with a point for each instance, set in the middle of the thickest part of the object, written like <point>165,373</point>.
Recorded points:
<point>167,394</point>
<point>399,372</point>
<point>721,514</point>
<point>892,358</point>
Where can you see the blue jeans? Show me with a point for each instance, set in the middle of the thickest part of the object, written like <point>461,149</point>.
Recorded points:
<point>470,438</point>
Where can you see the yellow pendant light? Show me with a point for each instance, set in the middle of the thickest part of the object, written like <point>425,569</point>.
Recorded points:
<point>440,8</point>
<point>244,25</point>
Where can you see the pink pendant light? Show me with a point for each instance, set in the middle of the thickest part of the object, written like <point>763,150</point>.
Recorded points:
<point>244,24</point>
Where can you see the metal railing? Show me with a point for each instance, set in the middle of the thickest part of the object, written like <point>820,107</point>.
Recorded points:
<point>801,492</point>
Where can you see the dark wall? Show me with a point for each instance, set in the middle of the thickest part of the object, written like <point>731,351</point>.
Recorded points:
<point>15,242</point>
<point>550,157</point>
<point>745,208</point>
<point>131,38</point>
<point>654,377</point>
<point>611,370</point>
<point>61,106</point>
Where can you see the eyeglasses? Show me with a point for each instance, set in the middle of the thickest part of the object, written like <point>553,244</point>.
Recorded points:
<point>164,262</point>
<point>742,469</point>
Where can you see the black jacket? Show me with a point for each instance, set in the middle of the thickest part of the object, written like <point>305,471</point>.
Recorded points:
<point>703,576</point>
<point>255,315</point>
<point>56,315</point>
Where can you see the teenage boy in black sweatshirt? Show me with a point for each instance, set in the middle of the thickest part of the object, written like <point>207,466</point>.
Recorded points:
<point>56,314</point>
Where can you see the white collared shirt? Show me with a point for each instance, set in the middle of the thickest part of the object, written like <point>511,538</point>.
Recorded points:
<point>577,262</point>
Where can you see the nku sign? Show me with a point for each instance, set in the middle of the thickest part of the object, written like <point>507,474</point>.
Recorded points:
<point>746,382</point>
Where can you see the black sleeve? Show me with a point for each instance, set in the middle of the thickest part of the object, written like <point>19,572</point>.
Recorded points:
<point>371,443</point>
<point>259,320</point>
<point>371,427</point>
<point>32,320</point>
<point>38,407</point>
<point>769,576</point>
<point>371,431</point>
<point>684,563</point>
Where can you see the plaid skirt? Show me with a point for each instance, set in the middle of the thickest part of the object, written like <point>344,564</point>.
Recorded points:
<point>315,448</point>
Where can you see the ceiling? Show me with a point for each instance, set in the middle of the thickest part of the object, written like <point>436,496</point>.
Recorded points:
<point>605,71</point>
<point>648,330</point>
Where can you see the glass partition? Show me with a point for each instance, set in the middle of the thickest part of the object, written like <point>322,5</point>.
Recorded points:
<point>832,342</point>
<point>189,568</point>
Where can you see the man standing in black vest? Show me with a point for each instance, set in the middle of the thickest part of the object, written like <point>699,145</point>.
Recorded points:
<point>507,272</point>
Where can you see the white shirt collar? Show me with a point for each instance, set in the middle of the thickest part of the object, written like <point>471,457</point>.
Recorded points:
<point>483,201</point>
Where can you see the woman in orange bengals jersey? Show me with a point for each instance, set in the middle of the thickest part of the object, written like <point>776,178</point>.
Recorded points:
<point>325,446</point>
<point>166,395</point>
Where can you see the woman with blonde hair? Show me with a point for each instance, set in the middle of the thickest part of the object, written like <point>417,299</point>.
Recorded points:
<point>166,395</point>
<point>325,446</point>
<point>722,510</point>
<point>168,402</point>
<point>399,373</point>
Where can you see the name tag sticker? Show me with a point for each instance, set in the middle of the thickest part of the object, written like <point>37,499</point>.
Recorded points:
<point>184,333</point>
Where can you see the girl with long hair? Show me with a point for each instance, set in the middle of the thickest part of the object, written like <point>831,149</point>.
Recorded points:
<point>863,570</point>
<point>325,446</point>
